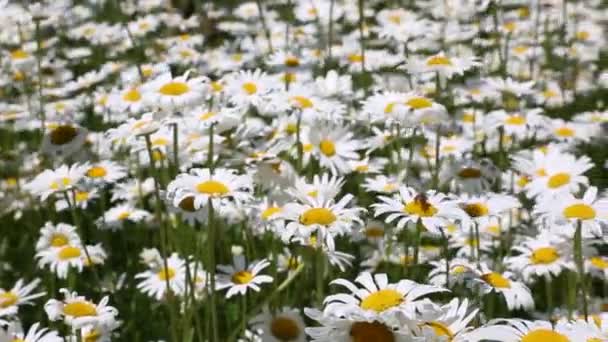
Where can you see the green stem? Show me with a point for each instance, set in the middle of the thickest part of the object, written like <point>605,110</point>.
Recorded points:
<point>211,268</point>
<point>319,272</point>
<point>578,254</point>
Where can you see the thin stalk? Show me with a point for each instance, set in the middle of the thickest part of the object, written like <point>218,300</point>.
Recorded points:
<point>211,268</point>
<point>175,147</point>
<point>264,25</point>
<point>319,271</point>
<point>549,295</point>
<point>580,265</point>
<point>437,158</point>
<point>39,65</point>
<point>446,255</point>
<point>361,34</point>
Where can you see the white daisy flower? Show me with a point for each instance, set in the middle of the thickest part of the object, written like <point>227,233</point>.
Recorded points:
<point>154,281</point>
<point>116,216</point>
<point>516,294</point>
<point>334,147</point>
<point>53,181</point>
<point>169,92</point>
<point>34,334</point>
<point>238,277</point>
<point>77,312</point>
<point>105,172</point>
<point>19,294</point>
<point>445,323</point>
<point>284,325</point>
<point>57,236</point>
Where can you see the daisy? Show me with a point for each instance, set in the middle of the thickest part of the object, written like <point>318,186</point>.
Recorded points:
<point>132,129</point>
<point>519,124</point>
<point>334,147</point>
<point>57,236</point>
<point>168,92</point>
<point>449,321</point>
<point>61,259</point>
<point>284,325</point>
<point>486,206</point>
<point>322,216</point>
<point>460,271</point>
<point>154,282</point>
<point>561,173</point>
<point>468,175</point>
<point>423,110</point>
<point>516,294</point>
<point>433,210</point>
<point>129,99</point>
<point>63,139</point>
<point>19,294</point>
<point>545,255</point>
<point>517,330</point>
<point>444,65</point>
<point>53,181</point>
<point>116,216</point>
<point>238,277</point>
<point>105,172</point>
<point>248,88</point>
<point>354,328</point>
<point>382,184</point>
<point>77,312</point>
<point>34,334</point>
<point>378,299</point>
<point>216,188</point>
<point>322,186</point>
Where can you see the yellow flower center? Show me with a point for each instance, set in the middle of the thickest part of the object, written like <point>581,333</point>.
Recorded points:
<point>69,252</point>
<point>367,332</point>
<point>355,58</point>
<point>582,35</point>
<point>496,280</point>
<point>520,49</point>
<point>579,211</point>
<point>212,188</point>
<point>544,256</point>
<point>160,142</point>
<point>132,95</point>
<point>419,102</point>
<point>441,329</point>
<point>63,182</point>
<point>242,277</point>
<point>420,207</point>
<point>292,61</point>
<point>599,262</point>
<point>469,172</point>
<point>564,132</point>
<point>523,181</point>
<point>81,196</point>
<point>216,86</point>
<point>284,329</point>
<point>63,134</point>
<point>389,108</point>
<point>58,240</point>
<point>510,26</point>
<point>206,116</point>
<point>92,336</point>
<point>322,216</point>
<point>80,309</point>
<point>19,54</point>
<point>515,120</point>
<point>187,204</point>
<point>544,335</point>
<point>382,300</point>
<point>266,214</point>
<point>362,168</point>
<point>476,209</point>
<point>8,299</point>
<point>97,172</point>
<point>548,93</point>
<point>250,88</point>
<point>374,232</point>
<point>124,215</point>
<point>302,102</point>
<point>468,117</point>
<point>438,60</point>
<point>289,77</point>
<point>166,274</point>
<point>174,89</point>
<point>327,147</point>
<point>558,180</point>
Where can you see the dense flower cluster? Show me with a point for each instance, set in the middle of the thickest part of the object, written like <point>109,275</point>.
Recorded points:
<point>321,170</point>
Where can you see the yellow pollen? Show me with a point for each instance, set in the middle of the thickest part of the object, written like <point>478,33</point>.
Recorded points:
<point>523,181</point>
<point>523,12</point>
<point>374,232</point>
<point>97,172</point>
<point>440,329</point>
<point>58,240</point>
<point>166,274</point>
<point>420,208</point>
<point>242,277</point>
<point>8,299</point>
<point>582,35</point>
<point>292,62</point>
<point>382,300</point>
<point>599,262</point>
<point>160,142</point>
<point>515,120</point>
<point>321,216</point>
<point>289,77</point>
<point>147,72</point>
<point>69,252</point>
<point>212,188</point>
<point>548,93</point>
<point>131,95</point>
<point>124,215</point>
<point>564,132</point>
<point>206,116</point>
<point>476,209</point>
<point>63,134</point>
<point>520,49</point>
<point>19,54</point>
<point>284,329</point>
<point>250,88</point>
<point>558,180</point>
<point>496,280</point>
<point>468,117</point>
<point>266,214</point>
<point>80,309</point>
<point>544,335</point>
<point>438,60</point>
<point>81,196</point>
<point>302,102</point>
<point>541,172</point>
<point>544,256</point>
<point>469,173</point>
<point>419,102</point>
<point>389,108</point>
<point>510,26</point>
<point>355,58</point>
<point>361,168</point>
<point>394,18</point>
<point>579,211</point>
<point>174,89</point>
<point>368,332</point>
<point>327,147</point>
<point>216,86</point>
<point>92,336</point>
